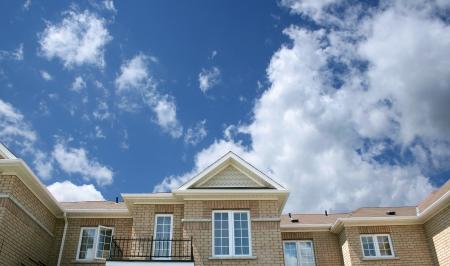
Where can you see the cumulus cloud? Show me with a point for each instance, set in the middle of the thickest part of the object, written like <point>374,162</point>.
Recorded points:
<point>18,133</point>
<point>76,161</point>
<point>78,84</point>
<point>66,191</point>
<point>196,134</point>
<point>365,135</point>
<point>79,39</point>
<point>46,76</point>
<point>208,78</point>
<point>137,88</point>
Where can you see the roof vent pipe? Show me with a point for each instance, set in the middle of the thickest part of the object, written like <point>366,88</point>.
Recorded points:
<point>326,213</point>
<point>117,199</point>
<point>292,219</point>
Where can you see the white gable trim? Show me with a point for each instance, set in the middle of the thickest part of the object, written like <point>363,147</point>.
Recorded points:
<point>224,161</point>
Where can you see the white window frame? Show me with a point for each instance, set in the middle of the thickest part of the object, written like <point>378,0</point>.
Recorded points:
<point>154,234</point>
<point>231,250</point>
<point>297,247</point>
<point>377,248</point>
<point>96,237</point>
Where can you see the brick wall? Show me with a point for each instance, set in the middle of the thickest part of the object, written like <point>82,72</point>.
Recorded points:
<point>409,244</point>
<point>144,218</point>
<point>122,229</point>
<point>326,246</point>
<point>266,235</point>
<point>21,238</point>
<point>12,185</point>
<point>438,234</point>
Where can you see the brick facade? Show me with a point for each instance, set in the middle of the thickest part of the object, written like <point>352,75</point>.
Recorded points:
<point>438,234</point>
<point>27,226</point>
<point>28,230</point>
<point>409,245</point>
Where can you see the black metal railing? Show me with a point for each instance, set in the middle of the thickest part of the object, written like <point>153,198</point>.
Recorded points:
<point>148,249</point>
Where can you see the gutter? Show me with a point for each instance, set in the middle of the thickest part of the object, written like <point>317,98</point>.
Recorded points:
<point>61,248</point>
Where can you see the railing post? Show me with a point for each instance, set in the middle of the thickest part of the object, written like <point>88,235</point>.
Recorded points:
<point>192,250</point>
<point>151,247</point>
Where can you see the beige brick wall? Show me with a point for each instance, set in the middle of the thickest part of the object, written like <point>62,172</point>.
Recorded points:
<point>144,218</point>
<point>122,229</point>
<point>326,246</point>
<point>266,235</point>
<point>438,234</point>
<point>21,238</point>
<point>409,244</point>
<point>12,185</point>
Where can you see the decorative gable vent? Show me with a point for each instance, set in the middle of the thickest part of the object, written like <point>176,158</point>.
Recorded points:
<point>230,177</point>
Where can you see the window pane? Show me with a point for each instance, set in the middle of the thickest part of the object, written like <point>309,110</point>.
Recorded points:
<point>368,246</point>
<point>241,238</point>
<point>306,253</point>
<point>87,243</point>
<point>162,245</point>
<point>384,246</point>
<point>290,254</point>
<point>221,234</point>
<point>104,242</point>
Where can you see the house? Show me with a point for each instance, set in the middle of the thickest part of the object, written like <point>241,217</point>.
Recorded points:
<point>228,214</point>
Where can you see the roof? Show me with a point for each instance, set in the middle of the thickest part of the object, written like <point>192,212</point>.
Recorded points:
<point>93,205</point>
<point>434,196</point>
<point>366,212</point>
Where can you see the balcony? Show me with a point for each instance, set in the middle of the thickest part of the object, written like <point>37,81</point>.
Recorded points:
<point>150,251</point>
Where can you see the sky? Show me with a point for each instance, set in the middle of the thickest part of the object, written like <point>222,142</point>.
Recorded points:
<point>345,103</point>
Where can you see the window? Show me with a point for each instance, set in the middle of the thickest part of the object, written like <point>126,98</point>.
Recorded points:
<point>231,233</point>
<point>299,253</point>
<point>377,245</point>
<point>163,235</point>
<point>95,242</point>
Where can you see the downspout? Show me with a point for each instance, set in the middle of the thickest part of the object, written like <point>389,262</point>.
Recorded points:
<point>61,248</point>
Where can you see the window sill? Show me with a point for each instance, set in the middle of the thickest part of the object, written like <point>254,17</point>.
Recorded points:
<point>380,258</point>
<point>232,258</point>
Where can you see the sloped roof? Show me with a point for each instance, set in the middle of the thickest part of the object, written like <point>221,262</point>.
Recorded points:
<point>434,196</point>
<point>93,205</point>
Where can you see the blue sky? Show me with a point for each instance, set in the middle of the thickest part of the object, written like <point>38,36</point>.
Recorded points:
<point>342,102</point>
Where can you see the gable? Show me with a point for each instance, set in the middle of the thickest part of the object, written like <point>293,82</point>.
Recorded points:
<point>229,177</point>
<point>231,171</point>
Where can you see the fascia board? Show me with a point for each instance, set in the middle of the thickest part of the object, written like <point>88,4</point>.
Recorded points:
<point>306,228</point>
<point>435,207</point>
<point>19,168</point>
<point>374,221</point>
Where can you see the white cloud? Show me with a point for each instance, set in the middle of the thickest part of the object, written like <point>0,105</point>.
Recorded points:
<point>79,39</point>
<point>45,75</point>
<point>322,142</point>
<point>102,112</point>
<point>78,84</point>
<point>99,133</point>
<point>208,78</point>
<point>196,134</point>
<point>27,4</point>
<point>109,5</point>
<point>66,191</point>
<point>136,87</point>
<point>17,54</point>
<point>76,161</point>
<point>16,132</point>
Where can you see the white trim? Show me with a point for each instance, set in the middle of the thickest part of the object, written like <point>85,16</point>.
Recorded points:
<point>20,169</point>
<point>429,212</point>
<point>63,240</point>
<point>231,251</point>
<point>18,204</point>
<point>5,153</point>
<point>266,219</point>
<point>376,247</point>
<point>170,237</point>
